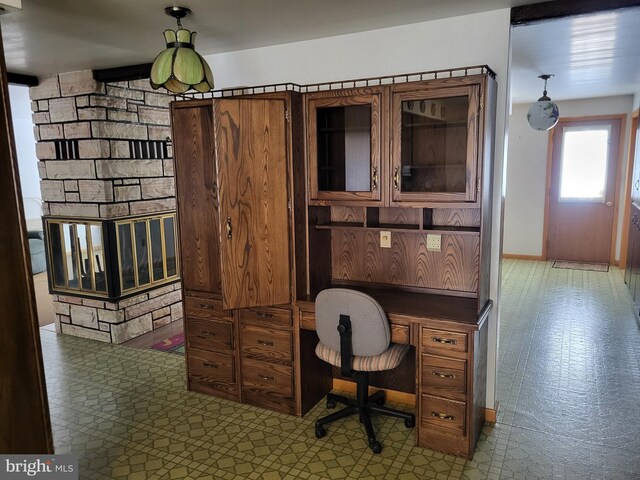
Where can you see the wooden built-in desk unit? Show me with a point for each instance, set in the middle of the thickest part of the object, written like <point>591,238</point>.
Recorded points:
<point>381,185</point>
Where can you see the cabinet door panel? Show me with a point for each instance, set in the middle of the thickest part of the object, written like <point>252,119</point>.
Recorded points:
<point>435,144</point>
<point>197,198</point>
<point>250,142</point>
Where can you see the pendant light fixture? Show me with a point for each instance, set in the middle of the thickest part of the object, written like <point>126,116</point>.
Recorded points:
<point>179,67</point>
<point>544,114</point>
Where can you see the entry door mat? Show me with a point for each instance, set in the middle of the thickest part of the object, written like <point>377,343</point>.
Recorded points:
<point>592,267</point>
<point>173,344</point>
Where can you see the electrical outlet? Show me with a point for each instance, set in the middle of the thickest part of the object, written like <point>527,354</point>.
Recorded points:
<point>434,242</point>
<point>385,239</point>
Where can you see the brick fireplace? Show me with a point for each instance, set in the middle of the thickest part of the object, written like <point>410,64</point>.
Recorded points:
<point>104,154</point>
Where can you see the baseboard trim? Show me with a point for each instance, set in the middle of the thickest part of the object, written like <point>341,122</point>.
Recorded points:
<point>515,256</point>
<point>392,395</point>
<point>491,414</point>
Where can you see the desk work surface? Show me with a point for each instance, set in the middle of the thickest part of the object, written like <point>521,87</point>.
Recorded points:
<point>399,304</point>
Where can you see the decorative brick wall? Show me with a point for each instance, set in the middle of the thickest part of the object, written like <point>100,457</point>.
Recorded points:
<point>104,152</point>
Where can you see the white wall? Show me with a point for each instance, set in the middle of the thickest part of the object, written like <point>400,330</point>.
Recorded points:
<point>527,172</point>
<point>26,153</point>
<point>452,42</point>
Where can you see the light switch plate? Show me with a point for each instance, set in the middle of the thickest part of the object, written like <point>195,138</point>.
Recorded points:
<point>434,242</point>
<point>385,239</point>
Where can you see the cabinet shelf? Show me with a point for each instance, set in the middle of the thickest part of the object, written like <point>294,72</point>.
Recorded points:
<point>408,228</point>
<point>436,165</point>
<point>435,125</point>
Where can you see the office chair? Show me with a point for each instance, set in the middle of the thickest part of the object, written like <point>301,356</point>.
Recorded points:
<point>355,336</point>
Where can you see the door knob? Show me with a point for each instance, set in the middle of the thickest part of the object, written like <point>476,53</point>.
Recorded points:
<point>608,204</point>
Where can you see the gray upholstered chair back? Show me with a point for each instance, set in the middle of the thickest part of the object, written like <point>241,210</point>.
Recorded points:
<point>369,324</point>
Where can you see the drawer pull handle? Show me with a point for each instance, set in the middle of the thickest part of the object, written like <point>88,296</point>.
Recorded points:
<point>443,375</point>
<point>447,341</point>
<point>443,416</point>
<point>207,334</point>
<point>268,379</point>
<point>265,343</point>
<point>265,315</point>
<point>209,365</point>
<point>206,306</point>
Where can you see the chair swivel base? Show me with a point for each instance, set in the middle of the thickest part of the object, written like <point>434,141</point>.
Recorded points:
<point>363,406</point>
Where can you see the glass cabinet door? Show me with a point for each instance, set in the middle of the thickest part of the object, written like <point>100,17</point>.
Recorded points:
<point>434,144</point>
<point>344,145</point>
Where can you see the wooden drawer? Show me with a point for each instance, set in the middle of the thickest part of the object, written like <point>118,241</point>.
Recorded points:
<point>273,317</point>
<point>399,333</point>
<point>270,345</point>
<point>211,367</point>
<point>268,378</point>
<point>209,334</point>
<point>307,320</point>
<point>442,414</point>
<point>443,342</point>
<point>444,377</point>
<point>203,307</point>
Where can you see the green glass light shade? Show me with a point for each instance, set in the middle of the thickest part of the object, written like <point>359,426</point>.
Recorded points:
<point>179,67</point>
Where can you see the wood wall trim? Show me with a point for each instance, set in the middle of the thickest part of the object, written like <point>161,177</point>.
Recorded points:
<point>392,395</point>
<point>21,79</point>
<point>517,256</point>
<point>547,192</point>
<point>616,205</point>
<point>122,74</point>
<point>490,414</point>
<point>25,427</point>
<point>539,12</point>
<point>624,243</point>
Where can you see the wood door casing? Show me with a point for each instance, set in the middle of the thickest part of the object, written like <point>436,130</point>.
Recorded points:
<point>196,191</point>
<point>25,426</point>
<point>581,230</point>
<point>251,153</point>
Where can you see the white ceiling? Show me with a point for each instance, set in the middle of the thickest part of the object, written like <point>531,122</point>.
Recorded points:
<point>593,55</point>
<point>50,36</point>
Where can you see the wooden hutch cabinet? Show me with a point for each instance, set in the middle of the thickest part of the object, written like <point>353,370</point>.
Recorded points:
<point>393,199</point>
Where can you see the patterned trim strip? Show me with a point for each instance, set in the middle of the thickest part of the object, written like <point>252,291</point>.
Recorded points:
<point>148,149</point>
<point>67,150</point>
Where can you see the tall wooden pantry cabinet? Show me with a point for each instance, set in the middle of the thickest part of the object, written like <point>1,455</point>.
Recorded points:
<point>235,195</point>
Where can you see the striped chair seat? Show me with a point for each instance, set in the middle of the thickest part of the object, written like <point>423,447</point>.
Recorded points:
<point>387,360</point>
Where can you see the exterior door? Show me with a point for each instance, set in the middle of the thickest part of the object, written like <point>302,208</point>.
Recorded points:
<point>250,144</point>
<point>582,190</point>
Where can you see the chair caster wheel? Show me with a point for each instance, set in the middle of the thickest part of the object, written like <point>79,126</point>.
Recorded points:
<point>331,403</point>
<point>320,432</point>
<point>409,422</point>
<point>376,447</point>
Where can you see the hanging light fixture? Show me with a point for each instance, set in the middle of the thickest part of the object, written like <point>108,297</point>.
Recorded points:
<point>179,67</point>
<point>544,114</point>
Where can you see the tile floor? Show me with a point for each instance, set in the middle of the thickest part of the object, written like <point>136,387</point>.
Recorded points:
<point>568,386</point>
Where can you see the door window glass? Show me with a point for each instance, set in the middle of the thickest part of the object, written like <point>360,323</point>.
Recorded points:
<point>583,171</point>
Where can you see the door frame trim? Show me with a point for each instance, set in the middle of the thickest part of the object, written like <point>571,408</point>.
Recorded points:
<point>614,233</point>
<point>631,153</point>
